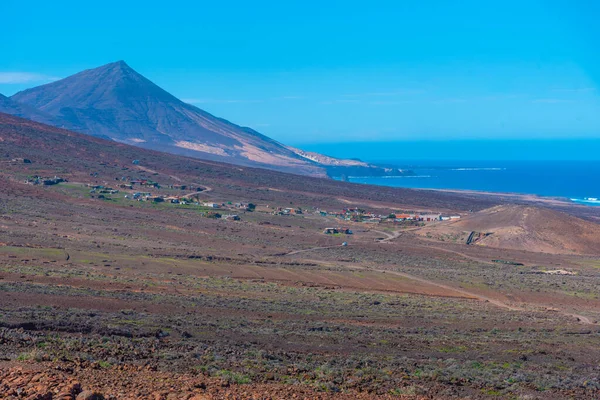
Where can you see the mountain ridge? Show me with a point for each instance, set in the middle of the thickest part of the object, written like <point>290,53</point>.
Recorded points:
<point>117,102</point>
<point>10,106</point>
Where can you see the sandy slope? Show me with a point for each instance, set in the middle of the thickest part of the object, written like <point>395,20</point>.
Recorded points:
<point>525,228</point>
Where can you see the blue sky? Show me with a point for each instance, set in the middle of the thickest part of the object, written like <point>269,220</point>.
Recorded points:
<point>307,72</point>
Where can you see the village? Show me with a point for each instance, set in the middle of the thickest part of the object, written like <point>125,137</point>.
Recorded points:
<point>142,189</point>
<point>147,190</point>
<point>361,215</point>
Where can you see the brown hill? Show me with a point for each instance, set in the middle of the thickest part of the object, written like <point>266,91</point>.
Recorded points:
<point>53,150</point>
<point>525,228</point>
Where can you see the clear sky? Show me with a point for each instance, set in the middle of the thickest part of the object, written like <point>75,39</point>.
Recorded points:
<point>334,71</point>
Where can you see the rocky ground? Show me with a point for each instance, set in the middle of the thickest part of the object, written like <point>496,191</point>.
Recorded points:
<point>89,381</point>
<point>122,299</point>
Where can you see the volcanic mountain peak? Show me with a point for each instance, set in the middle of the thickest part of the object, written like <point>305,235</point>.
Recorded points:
<point>116,102</point>
<point>102,87</point>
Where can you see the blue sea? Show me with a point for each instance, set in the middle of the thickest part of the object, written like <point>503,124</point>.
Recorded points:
<point>509,166</point>
<point>575,180</point>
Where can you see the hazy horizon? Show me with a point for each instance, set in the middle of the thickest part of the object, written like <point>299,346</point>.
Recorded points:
<point>464,150</point>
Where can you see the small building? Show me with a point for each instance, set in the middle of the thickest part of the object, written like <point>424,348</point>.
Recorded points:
<point>139,195</point>
<point>211,205</point>
<point>53,181</point>
<point>429,217</point>
<point>21,160</point>
<point>333,231</point>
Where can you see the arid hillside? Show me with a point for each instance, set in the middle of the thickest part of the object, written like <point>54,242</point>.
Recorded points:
<point>52,150</point>
<point>9,106</point>
<point>108,291</point>
<point>524,228</point>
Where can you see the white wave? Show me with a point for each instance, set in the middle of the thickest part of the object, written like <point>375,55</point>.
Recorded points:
<point>587,200</point>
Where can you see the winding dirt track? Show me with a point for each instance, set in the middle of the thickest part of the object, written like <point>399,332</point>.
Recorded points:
<point>178,179</point>
<point>390,236</point>
<point>584,320</point>
<point>581,318</point>
<point>447,287</point>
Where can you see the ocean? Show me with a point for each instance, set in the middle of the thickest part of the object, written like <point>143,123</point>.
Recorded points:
<point>575,180</point>
<point>494,165</point>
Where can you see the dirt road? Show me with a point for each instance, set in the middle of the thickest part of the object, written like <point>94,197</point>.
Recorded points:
<point>178,179</point>
<point>584,320</point>
<point>395,234</point>
<point>388,236</point>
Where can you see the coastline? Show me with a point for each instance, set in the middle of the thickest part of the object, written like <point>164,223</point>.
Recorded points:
<point>561,201</point>
<point>530,198</point>
<point>560,184</point>
<point>564,204</point>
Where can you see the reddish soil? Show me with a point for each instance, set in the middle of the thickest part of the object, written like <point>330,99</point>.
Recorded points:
<point>525,228</point>
<point>134,300</point>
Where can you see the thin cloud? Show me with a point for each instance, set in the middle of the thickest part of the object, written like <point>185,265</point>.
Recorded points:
<point>552,101</point>
<point>575,90</point>
<point>390,103</point>
<point>213,101</point>
<point>340,101</point>
<point>399,92</point>
<point>24,77</point>
<point>504,96</point>
<point>449,101</point>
